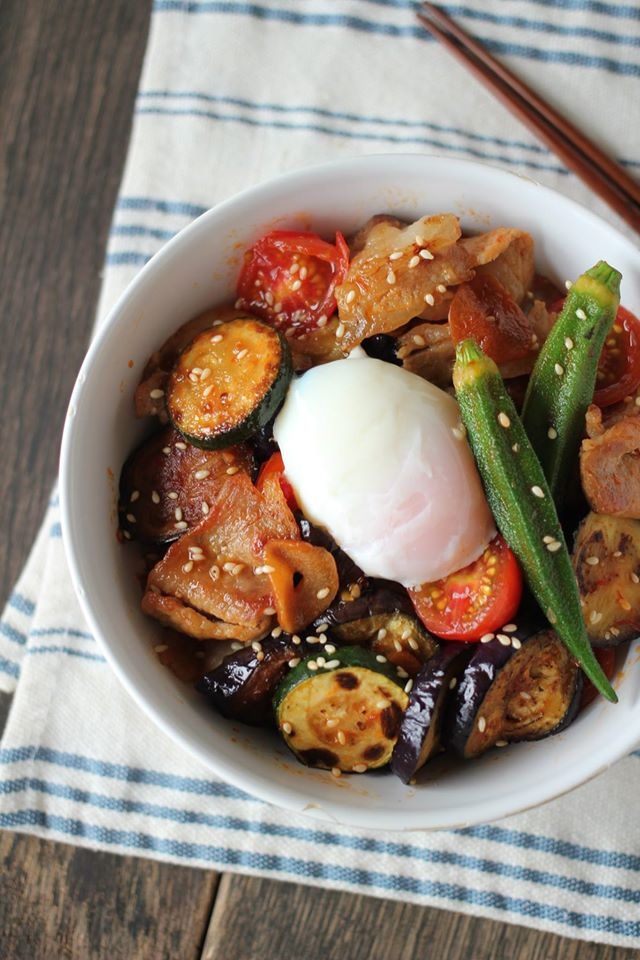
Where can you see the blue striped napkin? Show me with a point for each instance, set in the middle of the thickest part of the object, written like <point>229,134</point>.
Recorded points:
<point>231,94</point>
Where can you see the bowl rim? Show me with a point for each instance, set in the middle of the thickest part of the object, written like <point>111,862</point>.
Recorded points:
<point>281,795</point>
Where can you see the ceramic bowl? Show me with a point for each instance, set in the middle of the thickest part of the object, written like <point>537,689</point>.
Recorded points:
<point>197,269</point>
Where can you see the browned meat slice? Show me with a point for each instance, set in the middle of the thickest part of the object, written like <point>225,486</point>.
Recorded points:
<point>507,255</point>
<point>610,466</point>
<point>397,274</point>
<point>428,350</point>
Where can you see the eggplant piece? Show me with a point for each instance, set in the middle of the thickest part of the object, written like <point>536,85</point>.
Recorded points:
<point>420,735</point>
<point>511,692</point>
<point>166,485</point>
<point>382,346</point>
<point>242,686</point>
<point>606,560</point>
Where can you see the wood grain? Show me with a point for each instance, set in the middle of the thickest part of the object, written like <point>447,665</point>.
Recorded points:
<point>59,902</point>
<point>298,923</point>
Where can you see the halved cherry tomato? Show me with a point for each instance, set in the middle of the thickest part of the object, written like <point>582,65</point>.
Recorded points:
<point>606,657</point>
<point>618,373</point>
<point>288,279</point>
<point>475,600</point>
<point>275,466</point>
<point>485,310</point>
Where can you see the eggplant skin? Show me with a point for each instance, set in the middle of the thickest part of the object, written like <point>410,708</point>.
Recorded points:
<point>508,693</point>
<point>242,686</point>
<point>420,731</point>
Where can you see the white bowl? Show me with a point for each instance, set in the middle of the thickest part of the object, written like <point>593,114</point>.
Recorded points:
<point>197,269</point>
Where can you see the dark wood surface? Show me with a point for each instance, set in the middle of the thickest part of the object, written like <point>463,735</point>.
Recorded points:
<point>68,75</point>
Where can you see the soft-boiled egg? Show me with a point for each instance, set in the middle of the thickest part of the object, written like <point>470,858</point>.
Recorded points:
<point>378,457</point>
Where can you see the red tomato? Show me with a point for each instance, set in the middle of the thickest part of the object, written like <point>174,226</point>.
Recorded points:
<point>275,465</point>
<point>476,600</point>
<point>289,278</point>
<point>606,657</point>
<point>484,310</point>
<point>619,368</point>
<point>618,373</point>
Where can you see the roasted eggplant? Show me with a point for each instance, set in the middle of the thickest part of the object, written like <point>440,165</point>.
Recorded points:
<point>166,485</point>
<point>242,686</point>
<point>514,688</point>
<point>606,560</point>
<point>420,736</point>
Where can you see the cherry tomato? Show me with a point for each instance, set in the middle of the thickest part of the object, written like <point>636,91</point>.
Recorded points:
<point>619,368</point>
<point>475,600</point>
<point>485,310</point>
<point>618,373</point>
<point>606,657</point>
<point>288,279</point>
<point>275,465</point>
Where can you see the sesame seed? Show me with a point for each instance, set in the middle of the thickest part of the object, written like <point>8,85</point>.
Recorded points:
<point>382,704</point>
<point>188,566</point>
<point>131,518</point>
<point>503,639</point>
<point>516,643</point>
<point>430,299</point>
<point>458,433</point>
<point>418,340</point>
<point>592,561</point>
<point>396,255</point>
<point>321,661</point>
<point>482,724</point>
<point>180,525</point>
<point>426,255</point>
<point>296,640</point>
<point>595,616</point>
<point>634,577</point>
<point>502,743</point>
<point>351,296</point>
<point>230,471</point>
<point>340,331</point>
<point>568,284</point>
<point>548,539</point>
<point>322,628</point>
<point>537,492</point>
<point>382,633</point>
<point>207,391</point>
<point>568,342</point>
<point>391,277</point>
<point>178,513</point>
<point>580,314</point>
<point>617,553</point>
<point>238,568</point>
<point>515,447</point>
<point>402,673</point>
<point>413,262</point>
<point>359,768</point>
<point>205,508</point>
<point>214,571</point>
<point>242,354</point>
<point>181,445</point>
<point>275,633</point>
<point>328,647</point>
<point>293,662</point>
<point>286,727</point>
<point>321,594</point>
<point>487,638</point>
<point>331,664</point>
<point>172,495</point>
<point>322,321</point>
<point>135,496</point>
<point>441,288</point>
<point>332,722</point>
<point>381,658</point>
<point>269,611</point>
<point>312,665</point>
<point>503,420</point>
<point>126,535</point>
<point>216,338</point>
<point>551,617</point>
<point>453,683</point>
<point>559,369</point>
<point>413,643</point>
<point>166,450</point>
<point>341,737</point>
<point>336,772</point>
<point>552,433</point>
<point>624,603</point>
<point>553,545</point>
<point>510,628</point>
<point>156,394</point>
<point>408,686</point>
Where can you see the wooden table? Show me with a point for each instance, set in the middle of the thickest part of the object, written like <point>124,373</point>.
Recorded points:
<point>68,76</point>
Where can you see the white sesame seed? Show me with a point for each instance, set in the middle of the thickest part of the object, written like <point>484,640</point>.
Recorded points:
<point>351,296</point>
<point>359,768</point>
<point>328,647</point>
<point>568,284</point>
<point>503,639</point>
<point>340,331</point>
<point>551,617</point>
<point>592,561</point>
<point>322,628</point>
<point>426,255</point>
<point>336,772</point>
<point>331,664</point>
<point>207,391</point>
<point>482,724</point>
<point>510,628</point>
<point>242,354</point>
<point>214,571</point>
<point>537,492</point>
<point>382,633</point>
<point>552,433</point>
<point>155,496</point>
<point>172,495</point>
<point>286,727</point>
<point>381,658</point>
<point>131,518</point>
<point>453,683</point>
<point>205,508</point>
<point>634,577</point>
<point>580,314</point>
<point>487,638</point>
<point>413,262</point>
<point>134,496</point>
<point>188,566</point>
<point>553,546</point>
<point>548,538</point>
<point>332,722</point>
<point>293,662</point>
<point>166,450</point>
<point>275,633</point>
<point>391,277</point>
<point>568,342</point>
<point>216,338</point>
<point>418,340</point>
<point>595,616</point>
<point>181,445</point>
<point>503,420</point>
<point>269,611</point>
<point>515,447</point>
<point>402,673</point>
<point>559,369</point>
<point>413,643</point>
<point>230,471</point>
<point>156,394</point>
<point>181,525</point>
<point>441,288</point>
<point>516,643</point>
<point>178,513</point>
<point>408,686</point>
<point>312,665</point>
<point>430,299</point>
<point>396,255</point>
<point>321,594</point>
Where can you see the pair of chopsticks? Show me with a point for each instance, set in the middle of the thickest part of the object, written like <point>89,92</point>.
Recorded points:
<point>602,174</point>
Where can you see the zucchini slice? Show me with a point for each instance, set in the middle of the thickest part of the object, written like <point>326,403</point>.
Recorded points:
<point>228,383</point>
<point>341,713</point>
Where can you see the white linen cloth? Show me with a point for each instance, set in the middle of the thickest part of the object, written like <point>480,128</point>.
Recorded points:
<point>232,93</point>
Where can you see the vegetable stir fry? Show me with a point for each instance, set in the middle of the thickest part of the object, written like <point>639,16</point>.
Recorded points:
<point>389,500</point>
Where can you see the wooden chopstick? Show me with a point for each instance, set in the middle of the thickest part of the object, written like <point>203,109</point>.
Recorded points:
<point>602,174</point>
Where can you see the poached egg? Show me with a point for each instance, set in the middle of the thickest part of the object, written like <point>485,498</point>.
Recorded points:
<point>378,457</point>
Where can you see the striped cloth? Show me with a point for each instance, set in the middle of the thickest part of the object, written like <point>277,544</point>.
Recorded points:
<point>232,93</point>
